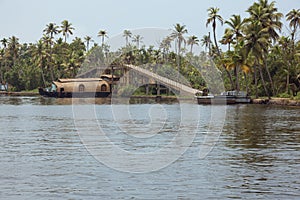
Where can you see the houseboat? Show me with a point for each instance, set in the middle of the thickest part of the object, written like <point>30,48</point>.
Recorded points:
<point>228,97</point>
<point>77,87</point>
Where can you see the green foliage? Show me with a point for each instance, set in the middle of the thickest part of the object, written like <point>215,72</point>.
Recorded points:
<point>258,60</point>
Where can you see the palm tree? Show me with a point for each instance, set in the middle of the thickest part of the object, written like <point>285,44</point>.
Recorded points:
<point>4,42</point>
<point>165,45</point>
<point>127,34</point>
<point>256,41</point>
<point>227,38</point>
<point>294,18</point>
<point>40,56</point>
<point>177,35</point>
<point>66,29</point>
<point>213,17</point>
<point>51,29</point>
<point>236,24</point>
<point>265,16</point>
<point>102,34</point>
<point>193,40</point>
<point>13,48</point>
<point>137,39</point>
<point>88,39</point>
<point>206,41</point>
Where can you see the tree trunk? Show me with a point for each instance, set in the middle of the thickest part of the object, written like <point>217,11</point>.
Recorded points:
<point>288,80</point>
<point>255,81</point>
<point>263,82</point>
<point>219,53</point>
<point>246,80</point>
<point>236,73</point>
<point>269,75</point>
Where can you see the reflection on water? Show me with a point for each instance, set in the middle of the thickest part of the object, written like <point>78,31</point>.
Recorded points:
<point>42,157</point>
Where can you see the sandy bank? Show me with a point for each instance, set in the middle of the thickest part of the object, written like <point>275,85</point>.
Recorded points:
<point>277,101</point>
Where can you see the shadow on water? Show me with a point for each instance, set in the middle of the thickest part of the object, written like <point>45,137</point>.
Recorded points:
<point>262,148</point>
<point>10,100</point>
<point>260,126</point>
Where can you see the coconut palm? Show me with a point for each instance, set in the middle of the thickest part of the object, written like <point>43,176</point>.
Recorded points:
<point>266,16</point>
<point>205,41</point>
<point>256,42</point>
<point>213,17</point>
<point>102,34</point>
<point>137,39</point>
<point>13,48</point>
<point>235,24</point>
<point>227,38</point>
<point>294,21</point>
<point>88,39</point>
<point>40,56</point>
<point>127,34</point>
<point>192,40</point>
<point>4,42</point>
<point>177,35</point>
<point>66,29</point>
<point>51,30</point>
<point>165,45</point>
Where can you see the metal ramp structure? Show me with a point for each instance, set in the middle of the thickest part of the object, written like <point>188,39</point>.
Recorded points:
<point>165,81</point>
<point>183,89</point>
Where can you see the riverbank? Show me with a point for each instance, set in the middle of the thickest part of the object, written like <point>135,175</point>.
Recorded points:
<point>19,94</point>
<point>277,101</point>
<point>172,99</point>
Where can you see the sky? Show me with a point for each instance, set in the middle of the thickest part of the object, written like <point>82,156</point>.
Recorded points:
<point>26,19</point>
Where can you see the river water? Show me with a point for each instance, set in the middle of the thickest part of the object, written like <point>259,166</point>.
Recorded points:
<point>42,156</point>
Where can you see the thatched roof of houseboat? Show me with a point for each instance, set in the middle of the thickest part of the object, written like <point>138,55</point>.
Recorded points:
<point>65,80</point>
<point>86,84</point>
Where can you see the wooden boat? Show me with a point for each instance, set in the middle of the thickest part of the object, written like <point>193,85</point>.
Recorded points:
<point>228,97</point>
<point>77,87</point>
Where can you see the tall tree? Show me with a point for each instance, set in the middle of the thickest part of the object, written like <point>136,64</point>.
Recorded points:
<point>178,35</point>
<point>235,24</point>
<point>206,41</point>
<point>192,40</point>
<point>88,39</point>
<point>228,38</point>
<point>165,45</point>
<point>4,42</point>
<point>294,21</point>
<point>51,30</point>
<point>13,48</point>
<point>102,34</point>
<point>213,17</point>
<point>137,39</point>
<point>127,34</point>
<point>256,41</point>
<point>266,16</point>
<point>66,29</point>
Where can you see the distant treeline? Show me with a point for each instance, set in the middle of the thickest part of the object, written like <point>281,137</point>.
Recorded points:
<point>257,59</point>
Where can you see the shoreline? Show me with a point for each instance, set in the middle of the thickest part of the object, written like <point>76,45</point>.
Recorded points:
<point>277,101</point>
<point>19,94</point>
<point>265,101</point>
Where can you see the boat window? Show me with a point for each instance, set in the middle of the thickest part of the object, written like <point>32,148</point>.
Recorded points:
<point>81,88</point>
<point>103,87</point>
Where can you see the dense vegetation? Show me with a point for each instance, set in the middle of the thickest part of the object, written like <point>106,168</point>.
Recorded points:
<point>255,56</point>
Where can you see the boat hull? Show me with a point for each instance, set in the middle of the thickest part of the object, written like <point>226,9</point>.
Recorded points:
<point>55,94</point>
<point>230,97</point>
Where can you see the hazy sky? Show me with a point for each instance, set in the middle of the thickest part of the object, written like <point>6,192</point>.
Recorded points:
<point>26,19</point>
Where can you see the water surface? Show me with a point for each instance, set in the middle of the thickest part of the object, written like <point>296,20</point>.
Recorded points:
<point>42,157</point>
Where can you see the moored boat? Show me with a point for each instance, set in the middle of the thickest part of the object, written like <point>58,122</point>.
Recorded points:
<point>228,97</point>
<point>77,87</point>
